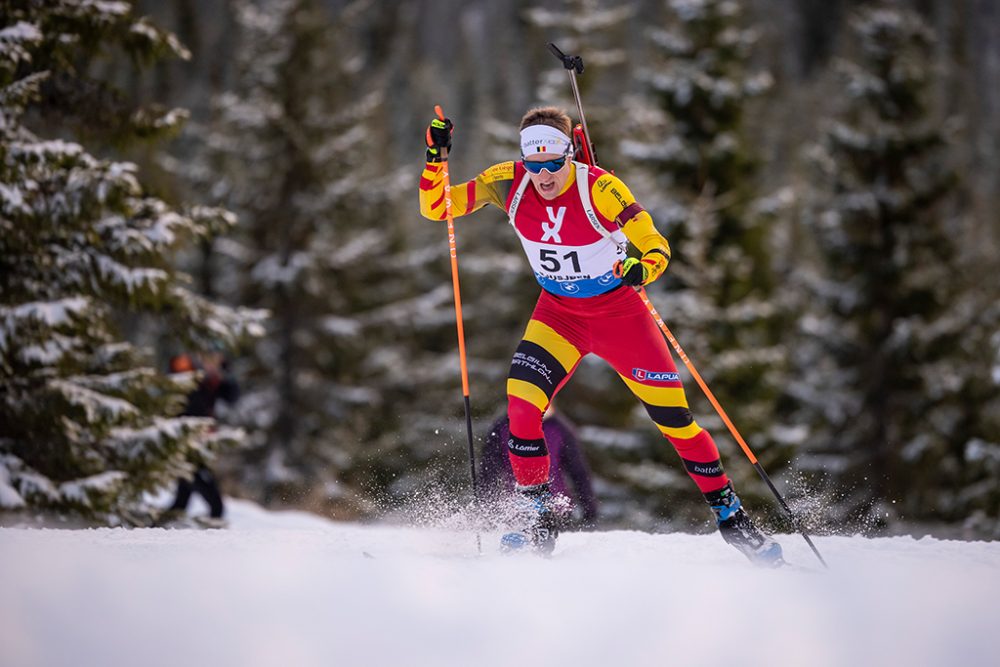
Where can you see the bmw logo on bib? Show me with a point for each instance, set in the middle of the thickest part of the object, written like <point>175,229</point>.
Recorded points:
<point>570,288</point>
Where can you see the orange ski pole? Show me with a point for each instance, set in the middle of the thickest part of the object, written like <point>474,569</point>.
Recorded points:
<point>453,251</point>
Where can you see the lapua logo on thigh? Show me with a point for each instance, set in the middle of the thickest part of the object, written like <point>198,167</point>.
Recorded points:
<point>643,375</point>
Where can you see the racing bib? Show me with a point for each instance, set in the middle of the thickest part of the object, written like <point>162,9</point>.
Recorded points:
<point>570,248</point>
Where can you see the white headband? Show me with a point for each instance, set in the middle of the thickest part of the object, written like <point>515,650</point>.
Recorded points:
<point>544,139</point>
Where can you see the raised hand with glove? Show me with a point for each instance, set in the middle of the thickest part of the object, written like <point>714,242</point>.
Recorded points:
<point>438,137</point>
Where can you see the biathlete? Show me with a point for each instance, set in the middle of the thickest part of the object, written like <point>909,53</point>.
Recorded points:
<point>574,222</point>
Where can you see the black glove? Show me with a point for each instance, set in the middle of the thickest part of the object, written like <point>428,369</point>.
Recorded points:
<point>633,273</point>
<point>438,137</point>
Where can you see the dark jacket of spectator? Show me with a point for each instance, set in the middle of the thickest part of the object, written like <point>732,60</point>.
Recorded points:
<point>567,463</point>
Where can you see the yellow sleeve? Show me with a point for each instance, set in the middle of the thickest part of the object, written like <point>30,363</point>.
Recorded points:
<point>490,187</point>
<point>615,201</point>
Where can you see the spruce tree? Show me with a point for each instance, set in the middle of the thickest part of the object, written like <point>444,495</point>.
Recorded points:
<point>88,425</point>
<point>896,388</point>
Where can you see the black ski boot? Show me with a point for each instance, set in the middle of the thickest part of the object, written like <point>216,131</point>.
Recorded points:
<point>738,529</point>
<point>539,511</point>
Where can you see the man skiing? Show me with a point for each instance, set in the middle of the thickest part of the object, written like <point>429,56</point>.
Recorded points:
<point>574,222</point>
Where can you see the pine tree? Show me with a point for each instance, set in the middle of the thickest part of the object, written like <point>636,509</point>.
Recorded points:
<point>87,423</point>
<point>896,389</point>
<point>694,169</point>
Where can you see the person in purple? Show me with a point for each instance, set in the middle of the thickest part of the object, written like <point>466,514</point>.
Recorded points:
<point>496,477</point>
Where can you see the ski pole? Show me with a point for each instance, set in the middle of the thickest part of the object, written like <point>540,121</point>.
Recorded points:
<point>453,250</point>
<point>574,64</point>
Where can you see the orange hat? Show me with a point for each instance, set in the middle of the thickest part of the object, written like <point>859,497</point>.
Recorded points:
<point>181,363</point>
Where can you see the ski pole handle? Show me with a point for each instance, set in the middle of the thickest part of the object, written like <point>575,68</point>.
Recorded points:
<point>444,157</point>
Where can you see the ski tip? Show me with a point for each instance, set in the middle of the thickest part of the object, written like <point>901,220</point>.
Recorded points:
<point>438,111</point>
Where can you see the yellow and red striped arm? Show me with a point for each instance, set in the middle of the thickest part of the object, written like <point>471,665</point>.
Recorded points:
<point>489,187</point>
<point>615,201</point>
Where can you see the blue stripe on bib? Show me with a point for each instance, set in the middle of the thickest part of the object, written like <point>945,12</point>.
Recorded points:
<point>579,288</point>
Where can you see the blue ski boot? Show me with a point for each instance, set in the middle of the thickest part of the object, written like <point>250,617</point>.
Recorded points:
<point>738,529</point>
<point>539,511</point>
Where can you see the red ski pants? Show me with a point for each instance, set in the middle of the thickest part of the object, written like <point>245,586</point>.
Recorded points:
<point>618,328</point>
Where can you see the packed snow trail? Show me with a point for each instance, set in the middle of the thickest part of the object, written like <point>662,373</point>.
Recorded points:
<point>293,589</point>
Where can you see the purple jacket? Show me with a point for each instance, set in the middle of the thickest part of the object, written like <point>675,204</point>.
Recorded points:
<point>566,458</point>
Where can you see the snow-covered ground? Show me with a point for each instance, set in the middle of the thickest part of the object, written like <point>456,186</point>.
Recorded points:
<point>292,589</point>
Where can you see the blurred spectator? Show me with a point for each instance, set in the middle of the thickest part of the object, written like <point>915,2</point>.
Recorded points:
<point>568,463</point>
<point>216,383</point>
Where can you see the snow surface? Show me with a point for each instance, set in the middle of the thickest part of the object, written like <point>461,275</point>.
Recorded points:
<point>293,589</point>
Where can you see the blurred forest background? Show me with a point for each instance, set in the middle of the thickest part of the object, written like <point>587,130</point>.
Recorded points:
<point>244,173</point>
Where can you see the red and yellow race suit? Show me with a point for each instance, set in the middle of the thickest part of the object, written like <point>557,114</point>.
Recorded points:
<point>572,243</point>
